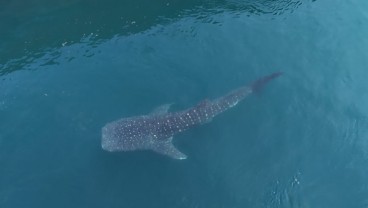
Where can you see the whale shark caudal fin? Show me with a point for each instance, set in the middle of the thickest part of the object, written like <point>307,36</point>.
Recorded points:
<point>258,84</point>
<point>166,147</point>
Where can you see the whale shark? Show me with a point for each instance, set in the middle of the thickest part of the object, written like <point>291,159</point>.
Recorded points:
<point>155,131</point>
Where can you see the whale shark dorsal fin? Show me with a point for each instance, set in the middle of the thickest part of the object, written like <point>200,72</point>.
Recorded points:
<point>162,109</point>
<point>204,102</point>
<point>166,147</point>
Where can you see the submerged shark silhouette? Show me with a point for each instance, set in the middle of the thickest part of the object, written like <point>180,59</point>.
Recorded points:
<point>155,131</point>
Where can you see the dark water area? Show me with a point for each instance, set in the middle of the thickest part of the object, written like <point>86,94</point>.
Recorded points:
<point>69,67</point>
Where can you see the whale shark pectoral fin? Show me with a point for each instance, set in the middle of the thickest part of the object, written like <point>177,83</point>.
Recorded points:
<point>162,109</point>
<point>166,147</point>
<point>206,121</point>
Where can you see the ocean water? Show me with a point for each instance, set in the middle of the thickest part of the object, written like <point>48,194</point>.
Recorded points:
<point>69,67</point>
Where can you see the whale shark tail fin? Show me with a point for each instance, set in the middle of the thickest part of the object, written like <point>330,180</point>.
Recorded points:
<point>258,84</point>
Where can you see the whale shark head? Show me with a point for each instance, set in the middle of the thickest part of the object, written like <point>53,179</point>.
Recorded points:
<point>137,133</point>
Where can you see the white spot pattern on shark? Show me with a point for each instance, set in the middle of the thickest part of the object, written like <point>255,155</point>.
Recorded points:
<point>156,130</point>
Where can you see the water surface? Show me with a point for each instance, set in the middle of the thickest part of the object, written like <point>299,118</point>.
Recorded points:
<point>69,67</point>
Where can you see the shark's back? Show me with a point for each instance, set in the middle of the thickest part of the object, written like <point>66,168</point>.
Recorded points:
<point>156,130</point>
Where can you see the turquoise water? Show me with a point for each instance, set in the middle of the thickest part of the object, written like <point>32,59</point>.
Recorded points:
<point>69,67</point>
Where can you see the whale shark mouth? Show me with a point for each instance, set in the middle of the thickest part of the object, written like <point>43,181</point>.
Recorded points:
<point>107,141</point>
